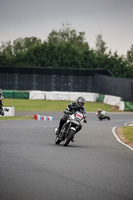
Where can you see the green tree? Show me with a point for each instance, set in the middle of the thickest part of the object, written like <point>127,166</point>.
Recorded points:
<point>100,45</point>
<point>130,55</point>
<point>23,44</point>
<point>66,34</point>
<point>117,65</point>
<point>65,48</point>
<point>6,48</point>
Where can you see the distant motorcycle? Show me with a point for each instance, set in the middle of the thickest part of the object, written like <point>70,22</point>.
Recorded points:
<point>69,128</point>
<point>103,115</point>
<point>3,110</point>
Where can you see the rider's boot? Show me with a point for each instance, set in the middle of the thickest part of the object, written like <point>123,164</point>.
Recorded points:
<point>58,131</point>
<point>72,139</point>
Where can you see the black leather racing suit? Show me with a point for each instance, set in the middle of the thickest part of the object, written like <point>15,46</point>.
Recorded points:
<point>72,108</point>
<point>1,106</point>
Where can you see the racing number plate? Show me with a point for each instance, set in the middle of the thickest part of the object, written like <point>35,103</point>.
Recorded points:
<point>78,115</point>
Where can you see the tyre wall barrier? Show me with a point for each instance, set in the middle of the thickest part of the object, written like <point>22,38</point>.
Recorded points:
<point>10,113</point>
<point>128,106</point>
<point>112,100</point>
<point>15,94</point>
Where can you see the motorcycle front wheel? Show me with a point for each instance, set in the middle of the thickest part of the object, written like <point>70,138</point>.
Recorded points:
<point>100,118</point>
<point>108,117</point>
<point>69,137</point>
<point>57,140</point>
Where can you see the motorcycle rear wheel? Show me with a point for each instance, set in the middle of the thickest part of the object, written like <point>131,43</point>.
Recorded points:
<point>100,118</point>
<point>69,137</point>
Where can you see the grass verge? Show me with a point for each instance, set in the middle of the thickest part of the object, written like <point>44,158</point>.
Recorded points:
<point>128,132</point>
<point>51,105</point>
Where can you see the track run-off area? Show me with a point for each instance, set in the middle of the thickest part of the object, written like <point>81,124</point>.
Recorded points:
<point>95,167</point>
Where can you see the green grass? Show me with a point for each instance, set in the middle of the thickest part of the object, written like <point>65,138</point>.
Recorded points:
<point>50,105</point>
<point>128,132</point>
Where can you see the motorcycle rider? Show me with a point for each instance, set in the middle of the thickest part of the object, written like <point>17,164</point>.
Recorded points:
<point>1,104</point>
<point>72,108</point>
<point>100,113</point>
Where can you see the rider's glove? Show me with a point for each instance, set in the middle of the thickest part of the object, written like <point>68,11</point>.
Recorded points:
<point>72,112</point>
<point>67,112</point>
<point>85,120</point>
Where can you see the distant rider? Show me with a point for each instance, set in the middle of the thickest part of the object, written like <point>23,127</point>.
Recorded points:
<point>72,108</point>
<point>1,104</point>
<point>100,113</point>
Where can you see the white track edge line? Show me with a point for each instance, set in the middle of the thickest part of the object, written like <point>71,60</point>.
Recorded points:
<point>118,139</point>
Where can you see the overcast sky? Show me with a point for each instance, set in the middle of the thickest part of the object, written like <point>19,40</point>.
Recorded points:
<point>111,18</point>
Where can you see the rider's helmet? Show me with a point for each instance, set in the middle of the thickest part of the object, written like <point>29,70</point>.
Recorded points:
<point>80,101</point>
<point>99,110</point>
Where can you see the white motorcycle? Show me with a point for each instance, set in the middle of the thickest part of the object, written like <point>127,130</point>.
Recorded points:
<point>69,128</point>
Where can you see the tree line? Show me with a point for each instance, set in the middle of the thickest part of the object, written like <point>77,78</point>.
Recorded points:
<point>65,49</point>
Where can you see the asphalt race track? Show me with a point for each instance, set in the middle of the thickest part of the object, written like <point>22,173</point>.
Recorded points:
<point>95,167</point>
